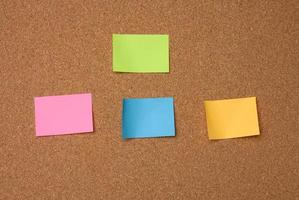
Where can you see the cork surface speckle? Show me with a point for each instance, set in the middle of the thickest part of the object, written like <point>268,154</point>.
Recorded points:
<point>218,50</point>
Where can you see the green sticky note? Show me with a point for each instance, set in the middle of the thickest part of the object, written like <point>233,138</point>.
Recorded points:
<point>139,53</point>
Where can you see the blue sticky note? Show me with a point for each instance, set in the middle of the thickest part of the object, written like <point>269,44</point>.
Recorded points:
<point>148,117</point>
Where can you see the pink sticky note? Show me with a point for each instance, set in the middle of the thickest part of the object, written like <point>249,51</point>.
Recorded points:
<point>60,115</point>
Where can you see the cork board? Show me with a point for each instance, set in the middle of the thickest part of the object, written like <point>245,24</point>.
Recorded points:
<point>217,50</point>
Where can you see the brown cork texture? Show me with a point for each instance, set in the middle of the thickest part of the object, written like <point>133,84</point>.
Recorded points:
<point>218,50</point>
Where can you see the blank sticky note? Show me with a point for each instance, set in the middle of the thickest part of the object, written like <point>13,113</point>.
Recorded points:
<point>232,118</point>
<point>140,53</point>
<point>148,117</point>
<point>60,115</point>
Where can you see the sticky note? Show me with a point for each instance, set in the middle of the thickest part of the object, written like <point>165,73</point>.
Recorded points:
<point>140,53</point>
<point>66,114</point>
<point>232,118</point>
<point>148,117</point>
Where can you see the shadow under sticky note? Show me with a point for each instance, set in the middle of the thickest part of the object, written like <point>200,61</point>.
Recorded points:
<point>66,114</point>
<point>140,53</point>
<point>148,117</point>
<point>232,118</point>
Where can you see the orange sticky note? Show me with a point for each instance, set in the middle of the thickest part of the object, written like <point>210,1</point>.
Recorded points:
<point>232,118</point>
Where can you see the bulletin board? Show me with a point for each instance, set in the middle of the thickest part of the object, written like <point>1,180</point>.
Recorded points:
<point>218,50</point>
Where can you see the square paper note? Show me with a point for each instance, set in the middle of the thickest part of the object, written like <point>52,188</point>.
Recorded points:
<point>232,118</point>
<point>148,117</point>
<point>140,53</point>
<point>67,114</point>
